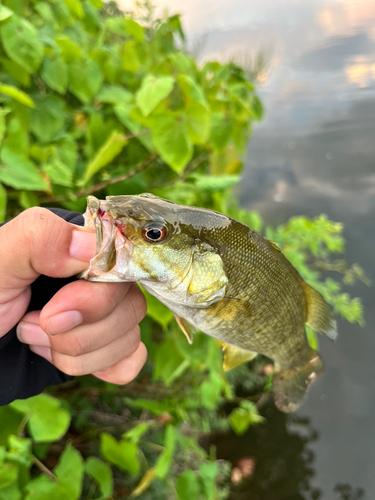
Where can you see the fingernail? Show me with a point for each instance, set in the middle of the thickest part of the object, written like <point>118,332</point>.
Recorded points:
<point>29,333</point>
<point>45,352</point>
<point>63,322</point>
<point>83,245</point>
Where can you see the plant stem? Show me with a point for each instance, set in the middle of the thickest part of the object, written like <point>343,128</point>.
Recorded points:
<point>44,469</point>
<point>104,184</point>
<point>22,425</point>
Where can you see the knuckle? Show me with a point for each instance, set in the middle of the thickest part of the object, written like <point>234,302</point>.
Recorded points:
<point>69,365</point>
<point>73,345</point>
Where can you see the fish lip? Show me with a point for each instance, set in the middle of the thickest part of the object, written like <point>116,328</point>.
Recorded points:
<point>110,237</point>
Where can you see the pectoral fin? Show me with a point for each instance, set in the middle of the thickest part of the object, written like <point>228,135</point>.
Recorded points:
<point>188,329</point>
<point>319,314</point>
<point>234,356</point>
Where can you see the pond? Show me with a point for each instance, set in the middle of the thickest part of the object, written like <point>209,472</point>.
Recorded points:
<point>313,153</point>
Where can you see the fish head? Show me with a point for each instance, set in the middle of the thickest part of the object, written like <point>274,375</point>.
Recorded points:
<point>157,243</point>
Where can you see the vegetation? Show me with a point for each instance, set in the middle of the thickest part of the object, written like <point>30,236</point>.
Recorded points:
<point>97,101</point>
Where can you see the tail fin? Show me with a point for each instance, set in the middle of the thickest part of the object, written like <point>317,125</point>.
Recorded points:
<point>319,314</point>
<point>290,386</point>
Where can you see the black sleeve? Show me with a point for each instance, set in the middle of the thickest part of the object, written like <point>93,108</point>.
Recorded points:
<point>22,373</point>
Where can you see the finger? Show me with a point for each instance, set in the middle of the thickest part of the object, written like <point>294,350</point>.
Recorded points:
<point>84,303</point>
<point>29,331</point>
<point>94,361</point>
<point>37,242</point>
<point>90,337</point>
<point>125,370</point>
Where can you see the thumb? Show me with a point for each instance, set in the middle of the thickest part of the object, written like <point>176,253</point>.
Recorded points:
<point>37,242</point>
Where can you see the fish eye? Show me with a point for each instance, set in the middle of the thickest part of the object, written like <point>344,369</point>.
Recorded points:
<point>154,234</point>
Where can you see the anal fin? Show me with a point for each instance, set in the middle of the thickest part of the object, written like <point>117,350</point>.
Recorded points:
<point>188,329</point>
<point>235,356</point>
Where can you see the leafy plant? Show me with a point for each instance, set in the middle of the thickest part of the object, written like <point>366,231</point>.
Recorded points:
<point>94,100</point>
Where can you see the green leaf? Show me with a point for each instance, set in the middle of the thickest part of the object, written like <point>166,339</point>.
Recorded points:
<point>20,173</point>
<point>67,152</point>
<point>171,140</point>
<point>164,461</point>
<point>312,338</point>
<point>123,454</point>
<point>58,172</point>
<point>12,492</point>
<point>153,90</point>
<point>85,79</point>
<point>158,311</point>
<point>69,471</point>
<point>114,94</point>
<point>241,418</point>
<point>97,3</point>
<point>5,13</point>
<point>154,407</point>
<point>129,57</point>
<point>144,483</point>
<point>20,451</point>
<point>28,199</point>
<point>198,123</point>
<point>17,139</point>
<point>70,51</point>
<point>215,184</point>
<point>192,91</point>
<point>207,477</point>
<point>102,474</point>
<point>48,118</point>
<point>47,420</point>
<point>210,391</point>
<point>55,74</point>
<point>167,361</point>
<point>43,488</point>
<point>75,7</point>
<point>10,421</point>
<point>21,43</point>
<point>2,125</point>
<point>123,114</point>
<point>110,149</point>
<point>134,29</point>
<point>17,95</point>
<point>137,432</point>
<point>8,474</point>
<point>187,487</point>
<point>16,71</point>
<point>221,129</point>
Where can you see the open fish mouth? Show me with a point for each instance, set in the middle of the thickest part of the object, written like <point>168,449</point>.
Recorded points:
<point>113,248</point>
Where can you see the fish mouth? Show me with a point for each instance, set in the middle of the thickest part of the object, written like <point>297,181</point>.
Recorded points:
<point>113,248</point>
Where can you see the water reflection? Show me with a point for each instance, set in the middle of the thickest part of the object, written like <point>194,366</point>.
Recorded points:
<point>283,463</point>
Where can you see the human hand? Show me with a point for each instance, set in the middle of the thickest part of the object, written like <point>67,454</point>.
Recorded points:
<point>86,327</point>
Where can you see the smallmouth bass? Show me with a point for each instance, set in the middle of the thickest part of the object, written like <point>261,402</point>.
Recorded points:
<point>219,276</point>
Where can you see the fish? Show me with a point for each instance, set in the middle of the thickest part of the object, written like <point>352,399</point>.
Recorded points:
<point>217,276</point>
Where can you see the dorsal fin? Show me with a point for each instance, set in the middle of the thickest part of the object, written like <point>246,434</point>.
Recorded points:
<point>319,315</point>
<point>274,245</point>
